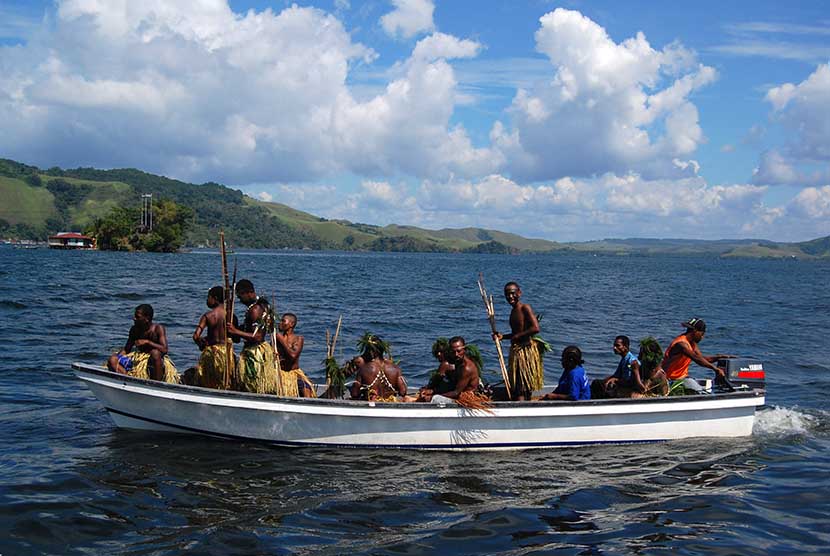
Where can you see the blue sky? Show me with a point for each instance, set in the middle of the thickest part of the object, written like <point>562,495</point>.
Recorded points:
<point>561,120</point>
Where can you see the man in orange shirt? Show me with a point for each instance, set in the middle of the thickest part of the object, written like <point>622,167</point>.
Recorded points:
<point>683,350</point>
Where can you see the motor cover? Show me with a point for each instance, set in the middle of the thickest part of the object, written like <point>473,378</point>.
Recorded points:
<point>744,371</point>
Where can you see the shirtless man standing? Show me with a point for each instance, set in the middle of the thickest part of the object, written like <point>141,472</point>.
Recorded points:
<point>149,340</point>
<point>213,362</point>
<point>465,375</point>
<point>256,371</point>
<point>377,379</point>
<point>212,321</point>
<point>525,367</point>
<point>289,348</point>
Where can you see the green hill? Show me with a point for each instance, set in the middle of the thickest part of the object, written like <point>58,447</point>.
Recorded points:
<point>44,202</point>
<point>41,202</point>
<point>24,204</point>
<point>727,248</point>
<point>817,247</point>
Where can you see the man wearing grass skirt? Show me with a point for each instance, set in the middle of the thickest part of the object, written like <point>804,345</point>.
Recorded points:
<point>212,369</point>
<point>256,370</point>
<point>525,368</point>
<point>293,381</point>
<point>145,353</point>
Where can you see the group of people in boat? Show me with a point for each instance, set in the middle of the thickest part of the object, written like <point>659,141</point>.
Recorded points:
<point>269,361</point>
<point>263,366</point>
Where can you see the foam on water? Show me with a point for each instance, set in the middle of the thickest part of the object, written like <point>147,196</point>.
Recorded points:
<point>784,421</point>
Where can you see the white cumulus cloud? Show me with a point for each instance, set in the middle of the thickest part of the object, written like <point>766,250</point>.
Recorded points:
<point>813,202</point>
<point>409,18</point>
<point>441,45</point>
<point>805,109</point>
<point>773,168</point>
<point>607,106</point>
<point>199,92</point>
<point>570,208</point>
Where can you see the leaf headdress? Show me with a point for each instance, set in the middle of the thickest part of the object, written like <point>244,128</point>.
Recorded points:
<point>371,343</point>
<point>268,320</point>
<point>441,346</point>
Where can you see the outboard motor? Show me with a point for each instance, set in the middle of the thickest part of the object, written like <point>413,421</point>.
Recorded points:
<point>744,371</point>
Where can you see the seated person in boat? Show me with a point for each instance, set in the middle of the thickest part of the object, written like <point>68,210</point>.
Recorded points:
<point>625,380</point>
<point>212,368</point>
<point>256,370</point>
<point>682,351</point>
<point>653,377</point>
<point>293,381</point>
<point>525,367</point>
<point>439,380</point>
<point>573,384</point>
<point>462,378</point>
<point>145,353</point>
<point>378,378</point>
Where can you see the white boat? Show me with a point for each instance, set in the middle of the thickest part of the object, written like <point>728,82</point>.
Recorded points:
<point>150,405</point>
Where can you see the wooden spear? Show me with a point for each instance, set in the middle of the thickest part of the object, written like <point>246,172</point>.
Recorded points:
<point>227,292</point>
<point>274,344</point>
<point>336,334</point>
<point>229,309</point>
<point>491,315</point>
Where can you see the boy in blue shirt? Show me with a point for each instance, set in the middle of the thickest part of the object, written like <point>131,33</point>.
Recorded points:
<point>573,384</point>
<point>626,379</point>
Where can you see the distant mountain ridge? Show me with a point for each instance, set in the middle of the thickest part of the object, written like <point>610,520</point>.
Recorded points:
<point>39,202</point>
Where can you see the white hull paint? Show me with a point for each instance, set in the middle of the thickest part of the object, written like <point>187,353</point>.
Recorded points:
<point>149,405</point>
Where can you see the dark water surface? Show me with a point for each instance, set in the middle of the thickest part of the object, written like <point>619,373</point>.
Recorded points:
<point>70,483</point>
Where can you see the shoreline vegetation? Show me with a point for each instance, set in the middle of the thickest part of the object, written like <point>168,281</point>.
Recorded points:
<point>106,204</point>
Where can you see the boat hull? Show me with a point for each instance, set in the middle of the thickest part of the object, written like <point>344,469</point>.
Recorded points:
<point>149,405</point>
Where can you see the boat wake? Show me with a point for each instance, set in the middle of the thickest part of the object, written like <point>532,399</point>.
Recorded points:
<point>783,421</point>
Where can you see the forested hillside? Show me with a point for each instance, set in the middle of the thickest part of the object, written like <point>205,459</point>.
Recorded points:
<point>38,202</point>
<point>45,202</point>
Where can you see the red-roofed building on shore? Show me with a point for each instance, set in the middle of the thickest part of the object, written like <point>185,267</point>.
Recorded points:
<point>71,240</point>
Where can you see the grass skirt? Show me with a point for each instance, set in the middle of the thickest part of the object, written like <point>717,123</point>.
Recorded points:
<point>141,364</point>
<point>475,401</point>
<point>391,398</point>
<point>210,372</point>
<point>525,367</point>
<point>256,371</point>
<point>289,383</point>
<point>656,387</point>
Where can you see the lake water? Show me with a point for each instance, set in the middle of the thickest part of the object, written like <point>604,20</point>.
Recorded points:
<point>70,483</point>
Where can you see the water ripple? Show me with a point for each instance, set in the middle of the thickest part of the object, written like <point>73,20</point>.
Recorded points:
<point>72,484</point>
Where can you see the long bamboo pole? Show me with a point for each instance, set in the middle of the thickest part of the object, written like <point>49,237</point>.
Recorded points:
<point>328,356</point>
<point>229,309</point>
<point>491,316</point>
<point>336,334</point>
<point>228,296</point>
<point>277,364</point>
